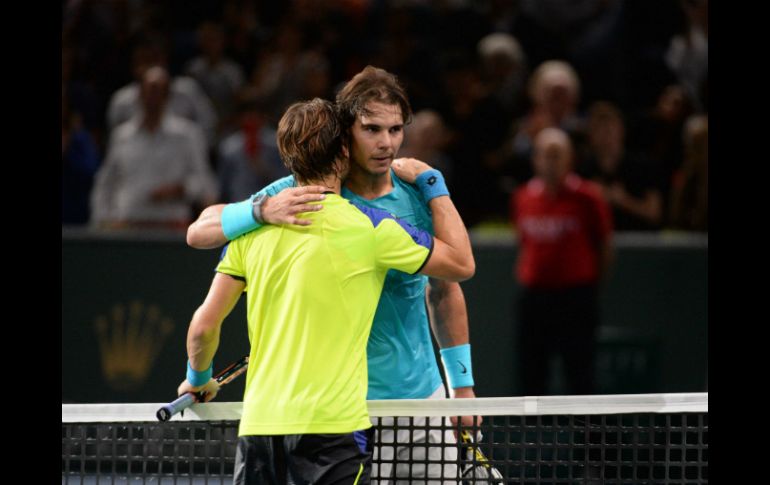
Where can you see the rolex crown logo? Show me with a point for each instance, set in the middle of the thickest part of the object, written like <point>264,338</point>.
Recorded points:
<point>130,339</point>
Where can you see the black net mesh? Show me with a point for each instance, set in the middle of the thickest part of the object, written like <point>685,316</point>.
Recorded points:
<point>633,448</point>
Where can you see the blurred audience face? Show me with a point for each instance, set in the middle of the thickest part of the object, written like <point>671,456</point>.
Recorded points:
<point>606,130</point>
<point>556,89</point>
<point>144,57</point>
<point>559,97</point>
<point>427,131</point>
<point>501,55</point>
<point>552,156</point>
<point>154,91</point>
<point>212,40</point>
<point>376,137</point>
<point>672,103</point>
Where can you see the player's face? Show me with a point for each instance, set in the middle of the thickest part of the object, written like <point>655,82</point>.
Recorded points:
<point>377,137</point>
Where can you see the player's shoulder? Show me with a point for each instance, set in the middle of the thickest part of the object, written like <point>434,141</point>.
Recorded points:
<point>245,241</point>
<point>402,183</point>
<point>407,190</point>
<point>409,204</point>
<point>282,183</point>
<point>373,214</point>
<point>274,188</point>
<point>384,222</point>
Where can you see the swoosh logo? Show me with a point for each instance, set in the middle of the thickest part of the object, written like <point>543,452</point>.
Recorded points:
<point>465,371</point>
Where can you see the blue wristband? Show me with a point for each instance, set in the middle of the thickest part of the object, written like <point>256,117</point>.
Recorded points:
<point>237,219</point>
<point>457,364</point>
<point>431,184</point>
<point>199,378</point>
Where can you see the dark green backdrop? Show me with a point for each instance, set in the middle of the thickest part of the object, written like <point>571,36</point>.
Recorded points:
<point>127,302</point>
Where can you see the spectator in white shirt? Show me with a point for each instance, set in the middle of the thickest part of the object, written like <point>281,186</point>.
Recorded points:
<point>186,98</point>
<point>156,168</point>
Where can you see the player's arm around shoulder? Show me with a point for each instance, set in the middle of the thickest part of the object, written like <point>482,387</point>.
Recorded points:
<point>451,258</point>
<point>206,231</point>
<point>281,204</point>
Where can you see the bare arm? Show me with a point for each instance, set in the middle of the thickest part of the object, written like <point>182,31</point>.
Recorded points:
<point>449,322</point>
<point>447,312</point>
<point>452,257</point>
<point>206,232</point>
<point>449,319</point>
<point>204,330</point>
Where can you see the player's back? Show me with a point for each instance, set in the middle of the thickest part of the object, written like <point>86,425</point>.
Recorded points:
<point>312,292</point>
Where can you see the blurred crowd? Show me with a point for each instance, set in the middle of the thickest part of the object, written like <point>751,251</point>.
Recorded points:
<point>168,106</point>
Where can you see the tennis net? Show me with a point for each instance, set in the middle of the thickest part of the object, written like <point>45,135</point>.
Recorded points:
<point>610,439</point>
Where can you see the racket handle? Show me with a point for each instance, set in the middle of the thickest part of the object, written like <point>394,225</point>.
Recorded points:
<point>181,403</point>
<point>186,400</point>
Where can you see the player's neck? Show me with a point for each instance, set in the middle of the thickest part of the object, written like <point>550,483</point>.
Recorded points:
<point>331,182</point>
<point>368,185</point>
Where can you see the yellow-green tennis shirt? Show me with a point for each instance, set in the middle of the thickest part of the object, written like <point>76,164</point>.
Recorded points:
<point>311,296</point>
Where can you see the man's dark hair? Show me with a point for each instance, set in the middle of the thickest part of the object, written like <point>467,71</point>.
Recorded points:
<point>309,139</point>
<point>371,85</point>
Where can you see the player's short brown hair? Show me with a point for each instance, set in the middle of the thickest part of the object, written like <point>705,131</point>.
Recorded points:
<point>309,139</point>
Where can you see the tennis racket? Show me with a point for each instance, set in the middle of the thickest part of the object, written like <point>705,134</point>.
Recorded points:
<point>186,400</point>
<point>478,469</point>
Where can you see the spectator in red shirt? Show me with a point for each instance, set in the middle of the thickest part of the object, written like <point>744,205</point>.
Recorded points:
<point>564,230</point>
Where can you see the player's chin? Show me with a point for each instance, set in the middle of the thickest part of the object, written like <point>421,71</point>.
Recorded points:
<point>379,167</point>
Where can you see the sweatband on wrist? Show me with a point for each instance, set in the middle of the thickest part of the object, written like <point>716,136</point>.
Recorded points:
<point>237,219</point>
<point>431,184</point>
<point>457,365</point>
<point>199,378</point>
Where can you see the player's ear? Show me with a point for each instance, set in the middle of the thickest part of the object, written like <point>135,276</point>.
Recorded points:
<point>342,167</point>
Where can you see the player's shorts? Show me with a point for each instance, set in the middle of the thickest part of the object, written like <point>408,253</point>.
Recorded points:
<point>322,459</point>
<point>401,455</point>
